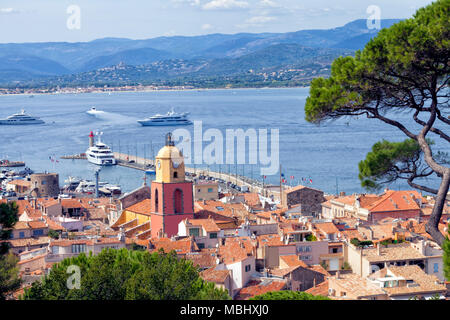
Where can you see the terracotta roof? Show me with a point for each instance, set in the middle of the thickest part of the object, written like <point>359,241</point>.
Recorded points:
<point>71,203</point>
<point>269,240</point>
<point>349,200</point>
<point>19,182</point>
<point>142,207</point>
<point>293,260</point>
<point>319,290</point>
<point>402,251</point>
<point>366,200</point>
<point>228,210</point>
<point>202,259</point>
<point>423,283</point>
<point>29,241</point>
<point>283,271</point>
<point>396,200</point>
<point>37,224</point>
<point>235,250</point>
<point>255,288</point>
<point>327,227</point>
<point>216,276</point>
<point>319,268</point>
<point>208,224</point>
<point>355,286</point>
<point>21,225</point>
<point>181,246</point>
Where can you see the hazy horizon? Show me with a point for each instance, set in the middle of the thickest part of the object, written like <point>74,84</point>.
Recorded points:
<point>27,21</point>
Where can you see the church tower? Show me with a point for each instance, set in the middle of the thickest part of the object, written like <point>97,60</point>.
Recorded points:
<point>172,196</point>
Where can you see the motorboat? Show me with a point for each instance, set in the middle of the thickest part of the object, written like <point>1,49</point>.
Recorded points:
<point>93,111</point>
<point>100,154</point>
<point>170,119</point>
<point>21,119</point>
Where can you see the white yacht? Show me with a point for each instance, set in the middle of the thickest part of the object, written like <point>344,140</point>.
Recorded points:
<point>170,119</point>
<point>100,154</point>
<point>20,119</point>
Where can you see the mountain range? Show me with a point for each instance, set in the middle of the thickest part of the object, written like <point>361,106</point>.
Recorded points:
<point>213,55</point>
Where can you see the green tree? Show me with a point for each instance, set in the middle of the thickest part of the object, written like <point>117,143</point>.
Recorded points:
<point>446,256</point>
<point>288,295</point>
<point>126,274</point>
<point>405,68</point>
<point>9,272</point>
<point>311,237</point>
<point>53,234</point>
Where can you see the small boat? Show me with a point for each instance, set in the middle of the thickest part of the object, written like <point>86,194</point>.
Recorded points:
<point>170,119</point>
<point>93,111</point>
<point>21,119</point>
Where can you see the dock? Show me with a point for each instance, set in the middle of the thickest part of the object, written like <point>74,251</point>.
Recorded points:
<point>253,185</point>
<point>143,164</point>
<point>11,164</point>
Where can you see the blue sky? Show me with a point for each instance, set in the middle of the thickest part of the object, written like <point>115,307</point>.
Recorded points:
<point>46,20</point>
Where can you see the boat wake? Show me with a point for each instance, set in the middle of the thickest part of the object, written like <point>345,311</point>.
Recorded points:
<point>110,116</point>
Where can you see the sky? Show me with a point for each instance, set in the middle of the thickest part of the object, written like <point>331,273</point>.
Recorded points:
<point>86,20</point>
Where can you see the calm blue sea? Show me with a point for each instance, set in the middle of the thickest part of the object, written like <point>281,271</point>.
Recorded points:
<point>326,154</point>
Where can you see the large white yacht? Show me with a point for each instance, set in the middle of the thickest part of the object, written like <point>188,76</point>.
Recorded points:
<point>170,119</point>
<point>21,119</point>
<point>99,153</point>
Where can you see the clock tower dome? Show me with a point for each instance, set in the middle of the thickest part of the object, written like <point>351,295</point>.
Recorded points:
<point>172,196</point>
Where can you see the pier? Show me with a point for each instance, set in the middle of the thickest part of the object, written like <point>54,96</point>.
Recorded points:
<point>143,164</point>
<point>253,185</point>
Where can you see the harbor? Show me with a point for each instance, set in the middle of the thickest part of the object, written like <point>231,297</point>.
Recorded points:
<point>234,183</point>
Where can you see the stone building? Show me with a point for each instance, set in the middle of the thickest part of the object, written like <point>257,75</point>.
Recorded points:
<point>44,185</point>
<point>307,200</point>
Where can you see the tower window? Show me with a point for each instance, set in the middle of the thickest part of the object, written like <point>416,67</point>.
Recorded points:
<point>178,201</point>
<point>175,174</point>
<point>156,201</point>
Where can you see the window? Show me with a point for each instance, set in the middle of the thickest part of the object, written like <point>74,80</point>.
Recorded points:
<point>435,267</point>
<point>335,250</point>
<point>175,174</point>
<point>194,232</point>
<point>213,235</point>
<point>201,245</point>
<point>210,190</point>
<point>248,268</point>
<point>178,201</point>
<point>308,249</point>
<point>38,232</point>
<point>305,258</point>
<point>78,248</point>
<point>21,234</point>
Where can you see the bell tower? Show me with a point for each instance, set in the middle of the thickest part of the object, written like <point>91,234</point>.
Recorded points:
<point>172,196</point>
<point>170,163</point>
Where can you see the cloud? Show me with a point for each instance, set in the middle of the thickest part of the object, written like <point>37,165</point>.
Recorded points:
<point>260,20</point>
<point>225,4</point>
<point>8,11</point>
<point>207,26</point>
<point>257,21</point>
<point>269,3</point>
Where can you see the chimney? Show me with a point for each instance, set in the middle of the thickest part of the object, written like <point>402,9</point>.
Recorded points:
<point>379,249</point>
<point>338,274</point>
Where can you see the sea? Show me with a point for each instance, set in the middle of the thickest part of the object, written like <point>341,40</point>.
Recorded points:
<point>324,157</point>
